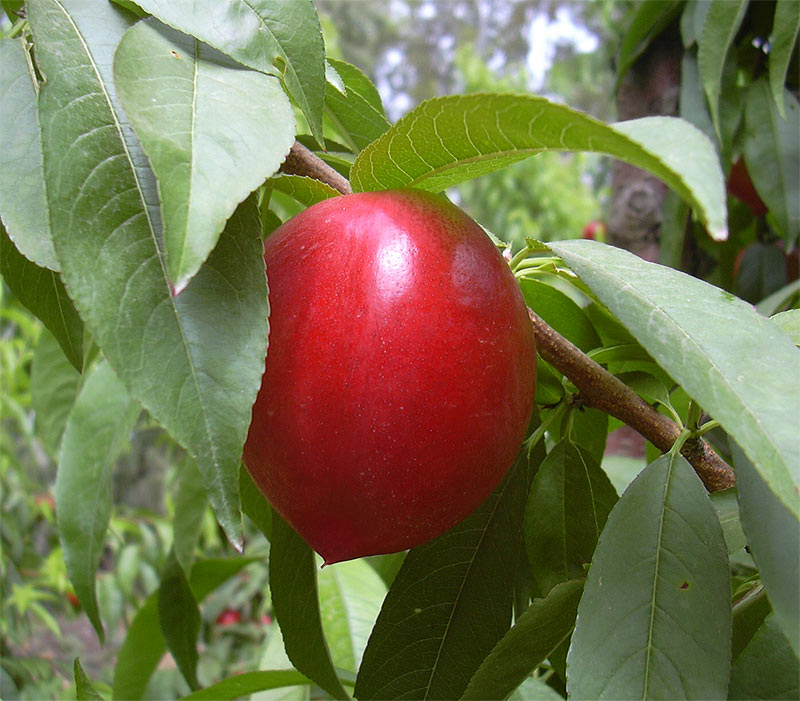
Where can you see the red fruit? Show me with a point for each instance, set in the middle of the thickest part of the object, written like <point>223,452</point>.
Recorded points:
<point>229,617</point>
<point>595,230</point>
<point>741,186</point>
<point>400,372</point>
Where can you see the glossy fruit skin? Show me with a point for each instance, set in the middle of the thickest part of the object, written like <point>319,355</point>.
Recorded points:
<point>400,372</point>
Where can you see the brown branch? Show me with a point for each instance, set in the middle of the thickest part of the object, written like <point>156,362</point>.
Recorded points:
<point>598,388</point>
<point>302,161</point>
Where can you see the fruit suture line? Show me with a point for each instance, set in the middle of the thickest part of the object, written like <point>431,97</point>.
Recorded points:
<point>597,387</point>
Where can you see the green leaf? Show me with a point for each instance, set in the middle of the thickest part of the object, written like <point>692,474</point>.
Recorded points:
<point>449,604</point>
<point>719,30</point>
<point>749,613</point>
<point>144,644</point>
<point>767,667</point>
<point>305,190</point>
<point>648,20</point>
<point>568,505</point>
<point>655,617</point>
<point>273,656</point>
<point>785,29</point>
<point>212,131</point>
<point>357,111</point>
<point>771,531</point>
<point>173,353</point>
<point>97,430</point>
<point>23,207</point>
<point>351,594</point>
<point>780,299</point>
<point>448,140</point>
<point>772,153</point>
<point>647,386</point>
<point>54,386</point>
<point>544,625</point>
<point>789,322</point>
<point>254,505</point>
<point>84,690</point>
<point>692,101</point>
<point>179,618</point>
<point>190,506</point>
<point>726,505</point>
<point>741,369</point>
<point>248,683</point>
<point>293,583</point>
<point>280,38</point>
<point>43,293</point>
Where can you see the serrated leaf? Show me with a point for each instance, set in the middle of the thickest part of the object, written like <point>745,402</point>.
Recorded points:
<point>789,322</point>
<point>785,29</point>
<point>248,683</point>
<point>719,349</point>
<point>544,625</point>
<point>567,507</point>
<point>23,207</point>
<point>447,140</point>
<point>179,618</point>
<point>42,292</point>
<point>212,131</point>
<point>720,25</point>
<point>351,594</point>
<point>293,583</point>
<point>772,155</point>
<point>190,506</point>
<point>767,667</point>
<point>96,432</point>
<point>144,645</point>
<point>357,111</point>
<point>172,353</point>
<point>54,386</point>
<point>84,689</point>
<point>655,619</point>
<point>771,531</point>
<point>280,38</point>
<point>449,604</point>
<point>305,190</point>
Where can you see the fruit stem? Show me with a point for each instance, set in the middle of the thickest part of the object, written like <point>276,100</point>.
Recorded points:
<point>600,389</point>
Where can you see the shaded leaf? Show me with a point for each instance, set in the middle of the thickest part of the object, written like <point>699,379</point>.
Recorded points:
<point>771,531</point>
<point>719,349</point>
<point>172,353</point>
<point>84,689</point>
<point>785,28</point>
<point>43,293</point>
<point>190,506</point>
<point>749,613</point>
<point>280,38</point>
<point>655,620</point>
<point>305,190</point>
<point>727,507</point>
<point>254,505</point>
<point>543,626</point>
<point>248,683</point>
<point>97,430</point>
<point>23,207</point>
<point>293,583</point>
<point>179,618</point>
<point>449,604</point>
<point>568,505</point>
<point>212,131</point>
<point>447,140</point>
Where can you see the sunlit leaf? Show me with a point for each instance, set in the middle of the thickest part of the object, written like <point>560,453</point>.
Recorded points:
<point>305,190</point>
<point>248,683</point>
<point>84,689</point>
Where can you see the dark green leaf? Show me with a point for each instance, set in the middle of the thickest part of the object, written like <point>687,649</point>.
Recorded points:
<point>749,613</point>
<point>179,618</point>
<point>568,505</point>
<point>248,683</point>
<point>545,624</point>
<point>212,131</point>
<point>357,111</point>
<point>727,507</point>
<point>293,583</point>
<point>655,617</point>
<point>387,566</point>
<point>449,604</point>
<point>767,668</point>
<point>785,29</point>
<point>97,430</point>
<point>190,506</point>
<point>43,293</point>
<point>734,362</point>
<point>104,220</point>
<point>771,531</point>
<point>254,505</point>
<point>719,30</point>
<point>54,386</point>
<point>305,190</point>
<point>692,101</point>
<point>448,140</point>
<point>84,690</point>
<point>23,207</point>
<point>772,155</point>
<point>144,644</point>
<point>280,38</point>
